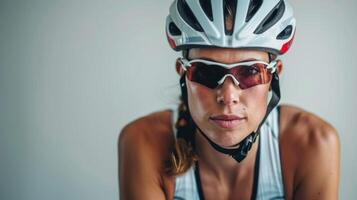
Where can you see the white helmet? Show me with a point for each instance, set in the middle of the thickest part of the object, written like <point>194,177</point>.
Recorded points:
<point>267,25</point>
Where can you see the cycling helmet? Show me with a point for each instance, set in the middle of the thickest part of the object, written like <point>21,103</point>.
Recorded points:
<point>267,25</point>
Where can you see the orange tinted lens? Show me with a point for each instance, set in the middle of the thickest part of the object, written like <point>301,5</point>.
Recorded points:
<point>251,75</point>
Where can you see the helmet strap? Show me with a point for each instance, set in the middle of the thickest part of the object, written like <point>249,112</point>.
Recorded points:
<point>185,53</point>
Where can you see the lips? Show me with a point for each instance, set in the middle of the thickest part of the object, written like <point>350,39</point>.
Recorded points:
<point>227,121</point>
<point>227,117</point>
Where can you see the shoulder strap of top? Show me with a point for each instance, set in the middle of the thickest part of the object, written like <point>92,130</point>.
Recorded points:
<point>270,176</point>
<point>198,181</point>
<point>278,118</point>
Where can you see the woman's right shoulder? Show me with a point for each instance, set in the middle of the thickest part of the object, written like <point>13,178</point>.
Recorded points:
<point>154,127</point>
<point>152,134</point>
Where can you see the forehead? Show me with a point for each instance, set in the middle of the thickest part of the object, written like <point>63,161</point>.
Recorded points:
<point>225,55</point>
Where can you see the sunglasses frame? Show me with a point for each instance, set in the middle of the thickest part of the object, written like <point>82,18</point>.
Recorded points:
<point>187,63</point>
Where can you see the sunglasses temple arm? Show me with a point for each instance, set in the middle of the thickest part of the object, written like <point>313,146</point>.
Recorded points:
<point>272,66</point>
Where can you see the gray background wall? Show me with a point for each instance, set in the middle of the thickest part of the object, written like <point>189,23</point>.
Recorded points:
<point>73,73</point>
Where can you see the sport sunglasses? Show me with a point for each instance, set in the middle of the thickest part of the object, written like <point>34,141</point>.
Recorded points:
<point>212,74</point>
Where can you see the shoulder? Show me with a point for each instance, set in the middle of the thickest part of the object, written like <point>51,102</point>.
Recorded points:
<point>309,147</point>
<point>305,129</point>
<point>150,133</point>
<point>144,147</point>
<point>147,126</point>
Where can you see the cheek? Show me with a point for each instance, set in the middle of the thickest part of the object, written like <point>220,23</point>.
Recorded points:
<point>200,100</point>
<point>256,95</point>
<point>256,102</point>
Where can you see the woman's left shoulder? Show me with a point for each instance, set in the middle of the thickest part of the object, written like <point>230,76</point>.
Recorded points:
<point>304,129</point>
<point>309,148</point>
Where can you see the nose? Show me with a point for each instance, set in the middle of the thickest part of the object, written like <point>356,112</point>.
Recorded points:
<point>228,92</point>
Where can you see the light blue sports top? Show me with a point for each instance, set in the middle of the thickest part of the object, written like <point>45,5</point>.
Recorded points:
<point>268,182</point>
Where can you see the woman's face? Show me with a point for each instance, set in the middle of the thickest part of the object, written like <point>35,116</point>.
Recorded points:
<point>213,109</point>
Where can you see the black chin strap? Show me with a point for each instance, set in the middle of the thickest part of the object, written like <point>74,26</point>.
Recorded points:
<point>240,152</point>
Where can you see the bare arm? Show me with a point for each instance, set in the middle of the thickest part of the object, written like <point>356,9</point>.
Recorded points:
<point>139,176</point>
<point>317,174</point>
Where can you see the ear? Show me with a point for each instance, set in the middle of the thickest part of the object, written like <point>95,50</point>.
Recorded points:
<point>179,69</point>
<point>279,67</point>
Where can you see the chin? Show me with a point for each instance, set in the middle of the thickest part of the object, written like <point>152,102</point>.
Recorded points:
<point>229,138</point>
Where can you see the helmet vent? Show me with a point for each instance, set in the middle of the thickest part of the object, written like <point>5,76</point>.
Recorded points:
<point>254,5</point>
<point>173,29</point>
<point>207,8</point>
<point>229,9</point>
<point>273,17</point>
<point>286,33</point>
<point>187,15</point>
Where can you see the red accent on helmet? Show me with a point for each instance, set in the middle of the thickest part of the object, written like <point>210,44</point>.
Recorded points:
<point>287,45</point>
<point>171,41</point>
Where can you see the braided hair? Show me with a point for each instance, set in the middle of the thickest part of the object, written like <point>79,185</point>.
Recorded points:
<point>183,155</point>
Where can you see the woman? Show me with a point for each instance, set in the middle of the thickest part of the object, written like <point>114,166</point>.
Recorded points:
<point>230,139</point>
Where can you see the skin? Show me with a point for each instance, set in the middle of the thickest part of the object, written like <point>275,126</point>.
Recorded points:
<point>309,146</point>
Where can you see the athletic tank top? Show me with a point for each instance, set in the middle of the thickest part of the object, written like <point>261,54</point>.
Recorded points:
<point>268,182</point>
